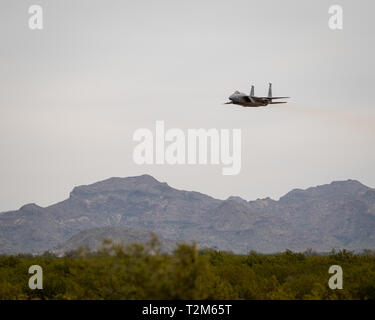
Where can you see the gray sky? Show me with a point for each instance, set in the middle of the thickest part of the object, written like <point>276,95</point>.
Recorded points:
<point>72,94</point>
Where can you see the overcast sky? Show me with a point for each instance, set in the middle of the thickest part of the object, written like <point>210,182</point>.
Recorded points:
<point>72,94</point>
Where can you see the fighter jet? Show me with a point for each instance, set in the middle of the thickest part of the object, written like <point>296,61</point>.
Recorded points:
<point>251,100</point>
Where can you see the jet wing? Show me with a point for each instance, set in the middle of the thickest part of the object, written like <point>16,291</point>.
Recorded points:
<point>276,102</point>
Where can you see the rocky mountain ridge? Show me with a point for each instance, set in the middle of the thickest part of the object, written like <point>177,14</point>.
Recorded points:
<point>336,215</point>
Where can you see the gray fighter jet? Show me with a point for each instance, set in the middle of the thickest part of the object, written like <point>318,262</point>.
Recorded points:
<point>251,100</point>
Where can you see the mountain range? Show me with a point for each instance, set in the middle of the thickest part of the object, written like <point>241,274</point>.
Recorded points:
<point>336,215</point>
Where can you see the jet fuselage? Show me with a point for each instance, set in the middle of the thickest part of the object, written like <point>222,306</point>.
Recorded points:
<point>247,101</point>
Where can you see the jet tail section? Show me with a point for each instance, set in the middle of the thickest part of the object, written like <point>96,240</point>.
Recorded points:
<point>270,90</point>
<point>252,91</point>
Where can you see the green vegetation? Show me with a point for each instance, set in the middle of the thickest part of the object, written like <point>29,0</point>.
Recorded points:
<point>143,272</point>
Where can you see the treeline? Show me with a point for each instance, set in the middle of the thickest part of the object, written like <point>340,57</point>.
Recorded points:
<point>144,272</point>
